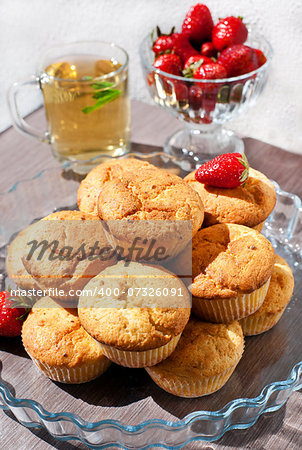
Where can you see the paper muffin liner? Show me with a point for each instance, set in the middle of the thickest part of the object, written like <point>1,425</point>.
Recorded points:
<point>259,226</point>
<point>226,310</point>
<point>258,324</point>
<point>144,358</point>
<point>73,375</point>
<point>185,387</point>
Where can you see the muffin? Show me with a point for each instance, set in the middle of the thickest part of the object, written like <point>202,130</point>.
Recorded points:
<point>231,266</point>
<point>248,205</point>
<point>14,265</point>
<point>133,314</point>
<point>278,296</point>
<point>203,361</point>
<point>61,261</point>
<point>59,346</point>
<point>151,203</point>
<point>97,178</point>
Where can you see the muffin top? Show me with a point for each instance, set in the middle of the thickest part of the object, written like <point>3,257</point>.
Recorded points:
<point>97,178</point>
<point>63,262</point>
<point>150,194</point>
<point>14,265</point>
<point>280,289</point>
<point>229,259</point>
<point>54,336</point>
<point>204,350</point>
<point>247,205</point>
<point>139,314</point>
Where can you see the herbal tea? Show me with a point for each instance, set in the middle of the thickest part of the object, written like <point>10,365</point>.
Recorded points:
<point>87,107</point>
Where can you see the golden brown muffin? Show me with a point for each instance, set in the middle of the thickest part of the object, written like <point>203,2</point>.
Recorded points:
<point>231,266</point>
<point>151,195</point>
<point>65,267</point>
<point>278,296</point>
<point>14,265</point>
<point>59,346</point>
<point>203,361</point>
<point>141,321</point>
<point>98,177</point>
<point>245,205</point>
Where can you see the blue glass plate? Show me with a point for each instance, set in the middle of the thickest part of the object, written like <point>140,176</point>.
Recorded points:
<point>124,408</point>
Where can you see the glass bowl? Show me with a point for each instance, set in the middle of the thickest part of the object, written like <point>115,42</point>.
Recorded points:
<point>205,106</point>
<point>124,408</point>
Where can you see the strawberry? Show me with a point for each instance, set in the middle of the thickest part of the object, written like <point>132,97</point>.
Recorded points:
<point>229,31</point>
<point>229,170</point>
<point>182,46</point>
<point>169,63</point>
<point>11,317</point>
<point>195,97</point>
<point>193,63</point>
<point>238,60</point>
<point>163,43</point>
<point>208,49</point>
<point>261,59</point>
<point>211,71</point>
<point>198,24</point>
<point>197,59</point>
<point>181,91</point>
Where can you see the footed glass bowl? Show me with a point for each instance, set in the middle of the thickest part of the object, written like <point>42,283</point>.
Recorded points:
<point>205,106</point>
<point>124,408</point>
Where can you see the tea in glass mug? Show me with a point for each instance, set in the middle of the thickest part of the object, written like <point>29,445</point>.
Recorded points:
<point>85,91</point>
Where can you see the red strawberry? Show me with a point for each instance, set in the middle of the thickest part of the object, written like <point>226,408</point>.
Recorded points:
<point>211,71</point>
<point>208,49</point>
<point>197,59</point>
<point>198,24</point>
<point>162,45</point>
<point>229,170</point>
<point>182,46</point>
<point>238,59</point>
<point>181,91</point>
<point>261,59</point>
<point>11,318</point>
<point>229,31</point>
<point>169,63</point>
<point>193,63</point>
<point>195,97</point>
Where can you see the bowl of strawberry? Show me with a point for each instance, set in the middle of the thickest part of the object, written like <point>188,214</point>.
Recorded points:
<point>205,74</point>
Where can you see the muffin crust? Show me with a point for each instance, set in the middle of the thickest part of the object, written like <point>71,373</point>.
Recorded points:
<point>204,350</point>
<point>71,229</point>
<point>54,336</point>
<point>245,205</point>
<point>150,194</point>
<point>14,265</point>
<point>280,289</point>
<point>134,322</point>
<point>98,177</point>
<point>228,259</point>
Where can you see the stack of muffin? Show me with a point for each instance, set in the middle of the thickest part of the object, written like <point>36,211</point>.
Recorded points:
<point>239,286</point>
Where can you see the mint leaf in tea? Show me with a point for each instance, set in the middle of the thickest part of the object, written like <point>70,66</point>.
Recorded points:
<point>103,95</point>
<point>73,89</point>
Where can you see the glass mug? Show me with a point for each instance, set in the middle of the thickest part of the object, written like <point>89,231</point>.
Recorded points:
<point>85,91</point>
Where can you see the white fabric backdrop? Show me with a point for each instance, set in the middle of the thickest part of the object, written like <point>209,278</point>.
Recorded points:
<point>29,27</point>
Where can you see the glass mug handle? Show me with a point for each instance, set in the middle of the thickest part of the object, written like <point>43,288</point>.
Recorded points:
<point>18,120</point>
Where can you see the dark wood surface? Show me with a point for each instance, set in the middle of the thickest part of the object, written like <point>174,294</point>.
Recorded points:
<point>22,158</point>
